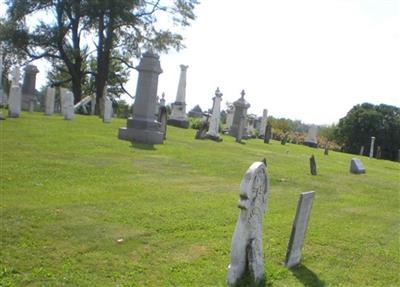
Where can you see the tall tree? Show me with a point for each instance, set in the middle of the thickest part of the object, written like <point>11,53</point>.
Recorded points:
<point>56,37</point>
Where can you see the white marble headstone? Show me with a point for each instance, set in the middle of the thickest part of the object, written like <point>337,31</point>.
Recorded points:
<point>69,112</point>
<point>108,111</point>
<point>246,248</point>
<point>49,103</point>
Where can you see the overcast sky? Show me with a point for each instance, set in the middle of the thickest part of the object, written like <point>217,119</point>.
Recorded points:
<point>309,60</point>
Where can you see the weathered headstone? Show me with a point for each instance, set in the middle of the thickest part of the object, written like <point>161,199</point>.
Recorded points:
<point>63,92</point>
<point>29,88</point>
<point>213,130</point>
<point>378,152</point>
<point>229,119</point>
<point>239,117</point>
<point>14,102</point>
<point>240,130</point>
<point>356,166</point>
<point>299,228</point>
<point>362,150</point>
<point>311,138</point>
<point>178,114</point>
<point>108,110</point>
<point>268,133</point>
<point>263,123</point>
<point>163,118</point>
<point>313,165</point>
<point>49,101</point>
<point>69,111</point>
<point>371,150</point>
<point>246,249</point>
<point>143,126</point>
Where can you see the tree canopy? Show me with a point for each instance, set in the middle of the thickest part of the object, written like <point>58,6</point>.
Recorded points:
<point>367,120</point>
<point>70,32</point>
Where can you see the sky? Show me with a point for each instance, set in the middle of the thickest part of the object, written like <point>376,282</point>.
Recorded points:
<point>308,60</point>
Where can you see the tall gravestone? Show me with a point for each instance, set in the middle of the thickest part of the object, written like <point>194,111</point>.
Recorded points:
<point>15,97</point>
<point>263,124</point>
<point>49,101</point>
<point>311,138</point>
<point>63,92</point>
<point>239,116</point>
<point>246,248</point>
<point>107,107</point>
<point>362,150</point>
<point>178,114</point>
<point>371,150</point>
<point>213,130</point>
<point>143,126</point>
<point>163,118</point>
<point>299,228</point>
<point>69,111</point>
<point>229,119</point>
<point>268,133</point>
<point>29,88</point>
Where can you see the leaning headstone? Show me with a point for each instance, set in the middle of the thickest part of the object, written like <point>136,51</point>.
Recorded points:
<point>246,248</point>
<point>143,126</point>
<point>49,102</point>
<point>239,116</point>
<point>311,138</point>
<point>69,111</point>
<point>263,124</point>
<point>268,133</point>
<point>378,152</point>
<point>362,150</point>
<point>29,88</point>
<point>313,165</point>
<point>371,150</point>
<point>299,228</point>
<point>356,166</point>
<point>178,114</point>
<point>213,130</point>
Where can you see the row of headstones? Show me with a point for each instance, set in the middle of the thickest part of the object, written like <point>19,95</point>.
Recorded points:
<point>246,247</point>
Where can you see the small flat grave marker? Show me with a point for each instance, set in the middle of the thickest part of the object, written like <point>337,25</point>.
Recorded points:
<point>296,242</point>
<point>356,166</point>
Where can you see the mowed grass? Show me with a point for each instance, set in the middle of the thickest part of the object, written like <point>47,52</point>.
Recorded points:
<point>71,189</point>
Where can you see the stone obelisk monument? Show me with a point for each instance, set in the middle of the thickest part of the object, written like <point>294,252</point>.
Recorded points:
<point>178,115</point>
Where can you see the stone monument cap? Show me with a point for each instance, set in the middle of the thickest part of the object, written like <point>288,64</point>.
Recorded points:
<point>32,69</point>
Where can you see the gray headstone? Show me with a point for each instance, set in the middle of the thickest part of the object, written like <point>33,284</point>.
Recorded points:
<point>311,138</point>
<point>143,127</point>
<point>163,118</point>
<point>213,130</point>
<point>29,88</point>
<point>378,152</point>
<point>268,133</point>
<point>49,101</point>
<point>246,248</point>
<point>371,149</point>
<point>239,116</point>
<point>69,111</point>
<point>299,228</point>
<point>356,166</point>
<point>362,150</point>
<point>14,102</point>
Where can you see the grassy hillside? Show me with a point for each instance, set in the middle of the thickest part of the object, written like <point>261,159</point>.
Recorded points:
<point>71,189</point>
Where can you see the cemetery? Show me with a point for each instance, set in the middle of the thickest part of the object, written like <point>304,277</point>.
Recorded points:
<point>96,191</point>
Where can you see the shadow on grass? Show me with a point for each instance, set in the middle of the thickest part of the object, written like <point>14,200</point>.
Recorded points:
<point>143,146</point>
<point>307,277</point>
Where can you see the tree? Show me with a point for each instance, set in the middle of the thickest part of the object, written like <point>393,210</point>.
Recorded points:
<point>121,30</point>
<point>366,120</point>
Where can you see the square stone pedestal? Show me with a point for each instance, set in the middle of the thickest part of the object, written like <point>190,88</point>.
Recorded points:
<point>140,131</point>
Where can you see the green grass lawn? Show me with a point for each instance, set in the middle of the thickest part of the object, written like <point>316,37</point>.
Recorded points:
<point>71,189</point>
